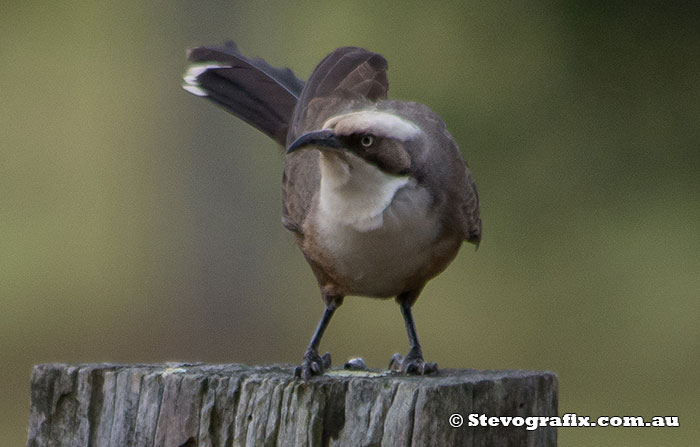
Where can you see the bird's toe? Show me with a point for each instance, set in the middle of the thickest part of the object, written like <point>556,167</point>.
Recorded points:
<point>412,365</point>
<point>313,365</point>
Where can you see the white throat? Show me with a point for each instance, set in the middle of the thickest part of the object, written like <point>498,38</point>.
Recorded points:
<point>354,192</point>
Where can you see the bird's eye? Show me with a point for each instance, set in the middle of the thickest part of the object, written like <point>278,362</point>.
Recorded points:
<point>367,140</point>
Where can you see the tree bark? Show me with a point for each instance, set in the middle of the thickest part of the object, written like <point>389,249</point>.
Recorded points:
<point>187,405</point>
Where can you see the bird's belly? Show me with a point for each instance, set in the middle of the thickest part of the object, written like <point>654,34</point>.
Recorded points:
<point>387,260</point>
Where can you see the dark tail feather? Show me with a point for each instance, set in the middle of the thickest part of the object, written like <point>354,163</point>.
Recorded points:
<point>251,89</point>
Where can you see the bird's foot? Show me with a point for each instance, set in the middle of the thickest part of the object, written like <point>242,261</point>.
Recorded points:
<point>313,365</point>
<point>356,364</point>
<point>412,364</point>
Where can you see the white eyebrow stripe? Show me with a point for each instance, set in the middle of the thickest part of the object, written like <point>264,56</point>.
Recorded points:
<point>381,124</point>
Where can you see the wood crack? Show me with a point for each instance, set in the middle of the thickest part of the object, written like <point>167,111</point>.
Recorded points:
<point>209,406</point>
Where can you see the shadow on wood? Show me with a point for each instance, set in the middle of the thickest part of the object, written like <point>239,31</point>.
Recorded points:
<point>187,405</point>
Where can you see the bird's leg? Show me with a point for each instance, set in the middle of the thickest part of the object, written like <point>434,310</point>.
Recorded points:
<point>314,364</point>
<point>413,363</point>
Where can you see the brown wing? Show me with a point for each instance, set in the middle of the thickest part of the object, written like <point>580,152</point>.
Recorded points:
<point>441,167</point>
<point>470,211</point>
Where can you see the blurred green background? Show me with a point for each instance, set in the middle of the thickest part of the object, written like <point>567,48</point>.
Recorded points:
<point>139,223</point>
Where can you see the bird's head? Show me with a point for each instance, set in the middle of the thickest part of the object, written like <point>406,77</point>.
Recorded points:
<point>376,137</point>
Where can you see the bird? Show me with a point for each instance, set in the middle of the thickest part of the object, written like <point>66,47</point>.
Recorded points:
<point>375,191</point>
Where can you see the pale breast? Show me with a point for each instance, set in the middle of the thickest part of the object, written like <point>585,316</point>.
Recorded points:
<point>380,261</point>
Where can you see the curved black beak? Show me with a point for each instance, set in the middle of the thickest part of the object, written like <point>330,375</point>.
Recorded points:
<point>322,138</point>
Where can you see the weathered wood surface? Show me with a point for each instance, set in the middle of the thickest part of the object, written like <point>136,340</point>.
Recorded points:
<point>187,405</point>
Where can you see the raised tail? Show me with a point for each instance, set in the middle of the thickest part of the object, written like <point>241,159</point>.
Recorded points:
<point>261,95</point>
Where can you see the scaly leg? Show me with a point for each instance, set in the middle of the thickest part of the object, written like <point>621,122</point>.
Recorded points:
<point>413,363</point>
<point>314,364</point>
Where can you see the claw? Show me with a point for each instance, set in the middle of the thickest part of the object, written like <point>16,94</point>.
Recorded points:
<point>313,365</point>
<point>411,364</point>
<point>395,362</point>
<point>326,360</point>
<point>430,368</point>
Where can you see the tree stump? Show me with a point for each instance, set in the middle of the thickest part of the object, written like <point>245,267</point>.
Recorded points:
<point>187,405</point>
